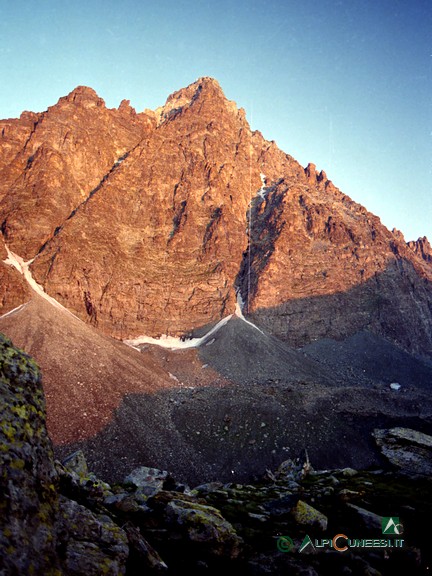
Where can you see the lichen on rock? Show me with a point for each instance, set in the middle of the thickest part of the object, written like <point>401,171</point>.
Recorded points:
<point>204,524</point>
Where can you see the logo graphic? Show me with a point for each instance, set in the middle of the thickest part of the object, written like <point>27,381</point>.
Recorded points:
<point>285,544</point>
<point>391,525</point>
<point>306,542</point>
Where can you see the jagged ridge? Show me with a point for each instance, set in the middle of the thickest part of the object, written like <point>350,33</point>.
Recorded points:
<point>160,242</point>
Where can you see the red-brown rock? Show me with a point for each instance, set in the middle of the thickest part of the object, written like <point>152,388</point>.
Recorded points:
<point>151,223</point>
<point>51,162</point>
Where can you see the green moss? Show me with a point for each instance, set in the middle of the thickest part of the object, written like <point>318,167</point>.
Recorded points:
<point>8,430</point>
<point>17,464</point>
<point>20,411</point>
<point>106,567</point>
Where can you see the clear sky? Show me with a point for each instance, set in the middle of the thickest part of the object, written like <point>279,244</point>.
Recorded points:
<point>345,84</point>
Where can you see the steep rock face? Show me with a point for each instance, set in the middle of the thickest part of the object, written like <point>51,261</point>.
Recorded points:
<point>319,265</point>
<point>14,134</point>
<point>14,290</point>
<point>157,248</point>
<point>181,209</point>
<point>51,162</point>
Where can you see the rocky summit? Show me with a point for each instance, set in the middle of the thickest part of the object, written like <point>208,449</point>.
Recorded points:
<point>204,310</point>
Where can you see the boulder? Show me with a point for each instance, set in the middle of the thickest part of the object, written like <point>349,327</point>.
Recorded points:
<point>94,544</point>
<point>142,555</point>
<point>149,480</point>
<point>77,463</point>
<point>203,528</point>
<point>406,449</point>
<point>307,515</point>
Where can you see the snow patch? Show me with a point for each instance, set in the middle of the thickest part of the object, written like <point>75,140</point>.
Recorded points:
<point>263,190</point>
<point>239,306</point>
<point>177,343</point>
<point>239,313</point>
<point>23,268</point>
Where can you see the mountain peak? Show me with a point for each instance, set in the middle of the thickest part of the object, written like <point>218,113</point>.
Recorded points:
<point>422,248</point>
<point>204,84</point>
<point>83,95</point>
<point>205,88</point>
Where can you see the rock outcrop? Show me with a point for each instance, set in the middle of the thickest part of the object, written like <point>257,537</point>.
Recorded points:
<point>422,248</point>
<point>43,532</point>
<point>159,222</point>
<point>318,265</point>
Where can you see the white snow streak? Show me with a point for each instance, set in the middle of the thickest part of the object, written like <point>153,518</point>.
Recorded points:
<point>13,311</point>
<point>239,313</point>
<point>263,190</point>
<point>23,268</point>
<point>176,343</point>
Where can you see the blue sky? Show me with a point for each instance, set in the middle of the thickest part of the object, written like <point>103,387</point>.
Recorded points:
<point>345,84</point>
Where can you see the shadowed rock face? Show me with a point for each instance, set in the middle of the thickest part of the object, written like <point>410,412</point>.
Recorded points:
<point>394,303</point>
<point>41,531</point>
<point>27,466</point>
<point>318,265</point>
<point>151,223</point>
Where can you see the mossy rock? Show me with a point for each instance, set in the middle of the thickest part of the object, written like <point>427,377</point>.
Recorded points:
<point>28,480</point>
<point>307,515</point>
<point>41,532</point>
<point>203,525</point>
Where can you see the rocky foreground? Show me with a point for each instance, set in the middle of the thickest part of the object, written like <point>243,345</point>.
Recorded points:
<point>60,519</point>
